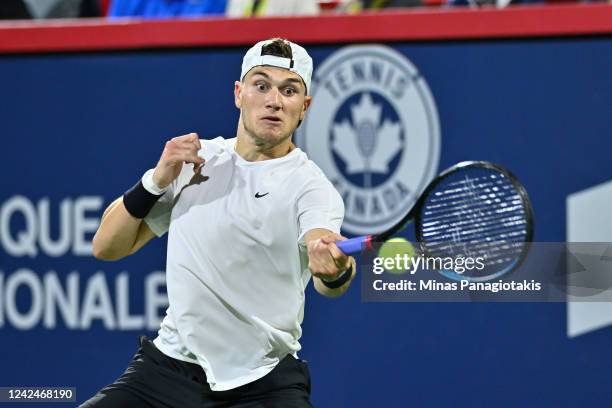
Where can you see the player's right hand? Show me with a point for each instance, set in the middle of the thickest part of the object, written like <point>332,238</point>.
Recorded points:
<point>178,150</point>
<point>325,260</point>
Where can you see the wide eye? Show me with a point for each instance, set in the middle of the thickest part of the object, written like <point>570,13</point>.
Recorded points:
<point>290,91</point>
<point>261,86</point>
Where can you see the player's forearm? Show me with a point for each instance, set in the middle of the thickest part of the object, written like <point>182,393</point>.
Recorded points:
<point>332,293</point>
<point>117,233</point>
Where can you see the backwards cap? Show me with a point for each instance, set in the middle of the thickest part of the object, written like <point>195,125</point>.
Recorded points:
<point>301,63</point>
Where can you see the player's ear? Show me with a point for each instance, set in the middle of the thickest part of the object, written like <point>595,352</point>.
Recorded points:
<point>238,94</point>
<point>307,101</point>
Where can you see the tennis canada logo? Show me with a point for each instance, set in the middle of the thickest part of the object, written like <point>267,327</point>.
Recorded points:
<point>373,129</point>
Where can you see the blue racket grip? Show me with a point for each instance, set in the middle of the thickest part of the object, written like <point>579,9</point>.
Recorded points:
<point>354,245</point>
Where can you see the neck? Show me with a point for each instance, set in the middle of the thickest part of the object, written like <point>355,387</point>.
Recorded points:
<point>250,150</point>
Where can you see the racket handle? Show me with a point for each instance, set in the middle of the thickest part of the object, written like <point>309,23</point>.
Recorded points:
<point>354,245</point>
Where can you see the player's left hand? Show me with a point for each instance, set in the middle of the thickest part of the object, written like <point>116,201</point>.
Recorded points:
<point>325,260</point>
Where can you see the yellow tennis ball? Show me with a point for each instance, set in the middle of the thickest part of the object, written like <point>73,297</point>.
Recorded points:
<point>400,250</point>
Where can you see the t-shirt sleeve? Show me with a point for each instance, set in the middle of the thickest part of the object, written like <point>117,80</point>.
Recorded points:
<point>158,218</point>
<point>319,206</point>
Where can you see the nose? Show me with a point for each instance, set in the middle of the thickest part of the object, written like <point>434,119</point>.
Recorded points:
<point>274,99</point>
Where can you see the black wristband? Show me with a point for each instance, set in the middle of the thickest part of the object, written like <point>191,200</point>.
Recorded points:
<point>138,201</point>
<point>335,284</point>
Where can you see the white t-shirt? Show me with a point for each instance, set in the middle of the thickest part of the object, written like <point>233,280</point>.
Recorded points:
<point>236,273</point>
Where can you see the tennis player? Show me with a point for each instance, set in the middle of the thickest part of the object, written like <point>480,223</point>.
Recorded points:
<point>249,221</point>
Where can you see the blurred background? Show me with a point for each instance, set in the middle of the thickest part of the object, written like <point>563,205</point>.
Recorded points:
<point>90,91</point>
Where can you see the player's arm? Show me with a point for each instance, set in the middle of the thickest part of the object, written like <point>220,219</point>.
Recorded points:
<point>120,234</point>
<point>122,230</point>
<point>327,263</point>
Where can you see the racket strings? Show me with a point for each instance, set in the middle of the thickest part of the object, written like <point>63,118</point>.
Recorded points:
<point>442,208</point>
<point>458,200</point>
<point>434,226</point>
<point>460,205</point>
<point>478,235</point>
<point>476,215</point>
<point>477,212</point>
<point>486,195</point>
<point>487,185</point>
<point>495,253</point>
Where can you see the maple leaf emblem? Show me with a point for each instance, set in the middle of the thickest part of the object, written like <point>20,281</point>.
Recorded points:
<point>366,146</point>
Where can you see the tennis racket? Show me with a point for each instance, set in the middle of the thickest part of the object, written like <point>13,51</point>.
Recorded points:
<point>473,209</point>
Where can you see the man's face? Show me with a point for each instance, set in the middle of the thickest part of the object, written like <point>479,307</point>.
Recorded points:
<point>272,101</point>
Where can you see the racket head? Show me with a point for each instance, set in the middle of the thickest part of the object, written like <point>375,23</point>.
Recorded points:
<point>475,209</point>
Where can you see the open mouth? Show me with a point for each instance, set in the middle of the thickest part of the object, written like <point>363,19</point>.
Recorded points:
<point>271,119</point>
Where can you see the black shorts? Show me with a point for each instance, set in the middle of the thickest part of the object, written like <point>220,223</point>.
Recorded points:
<point>155,380</point>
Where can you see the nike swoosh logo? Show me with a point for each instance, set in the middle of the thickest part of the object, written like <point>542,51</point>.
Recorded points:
<point>257,195</point>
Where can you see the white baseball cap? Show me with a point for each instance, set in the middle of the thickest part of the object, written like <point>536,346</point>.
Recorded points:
<point>301,63</point>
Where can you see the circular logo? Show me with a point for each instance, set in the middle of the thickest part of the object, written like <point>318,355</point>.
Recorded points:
<point>373,128</point>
